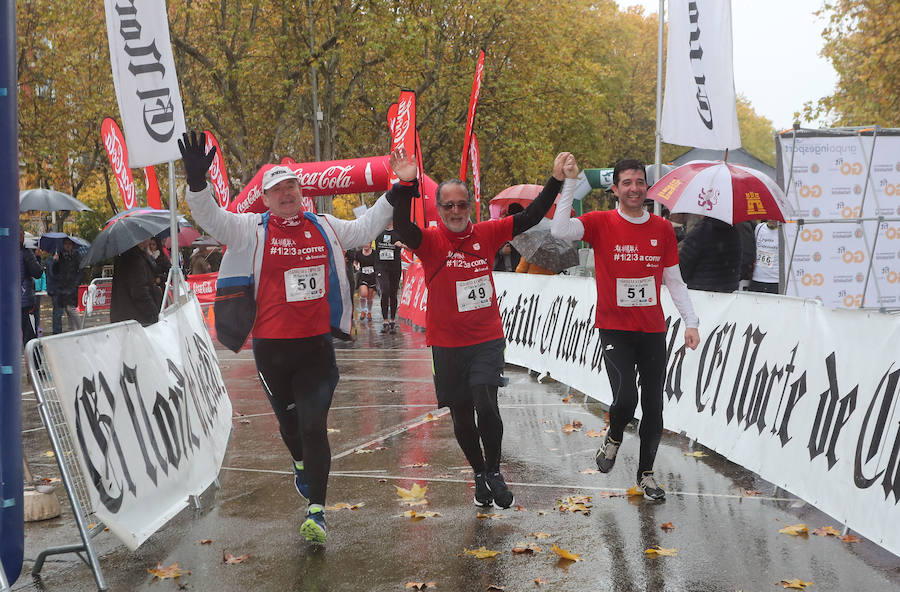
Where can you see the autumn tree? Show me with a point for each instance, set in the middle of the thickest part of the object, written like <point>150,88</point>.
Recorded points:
<point>861,43</point>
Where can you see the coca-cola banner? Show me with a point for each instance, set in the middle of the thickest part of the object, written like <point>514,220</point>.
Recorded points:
<point>217,174</point>
<point>118,160</point>
<point>476,175</point>
<point>470,118</point>
<point>203,285</point>
<point>102,297</point>
<point>331,177</point>
<point>143,71</point>
<point>414,295</point>
<point>402,124</point>
<point>153,199</point>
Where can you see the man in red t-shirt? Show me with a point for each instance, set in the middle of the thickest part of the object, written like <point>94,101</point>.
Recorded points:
<point>635,252</point>
<point>462,321</point>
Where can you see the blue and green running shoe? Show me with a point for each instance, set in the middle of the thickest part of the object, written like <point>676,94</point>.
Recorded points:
<point>313,528</point>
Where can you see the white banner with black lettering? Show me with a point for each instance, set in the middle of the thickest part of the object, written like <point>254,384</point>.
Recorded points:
<point>148,413</point>
<point>143,71</point>
<point>805,396</point>
<point>699,108</point>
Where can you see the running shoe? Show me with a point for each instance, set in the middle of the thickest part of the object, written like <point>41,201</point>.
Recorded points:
<point>606,455</point>
<point>385,328</point>
<point>393,328</point>
<point>300,481</point>
<point>313,528</point>
<point>652,489</point>
<point>483,497</point>
<point>503,497</point>
<point>362,316</point>
<point>369,316</point>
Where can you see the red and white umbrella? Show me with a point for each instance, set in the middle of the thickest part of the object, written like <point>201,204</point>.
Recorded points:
<point>731,193</point>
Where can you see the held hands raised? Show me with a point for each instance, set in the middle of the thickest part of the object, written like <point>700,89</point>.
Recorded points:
<point>565,166</point>
<point>570,167</point>
<point>403,164</point>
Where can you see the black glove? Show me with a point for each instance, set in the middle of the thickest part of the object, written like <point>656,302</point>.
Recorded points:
<point>195,158</point>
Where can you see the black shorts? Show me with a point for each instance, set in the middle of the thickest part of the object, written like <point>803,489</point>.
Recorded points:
<point>366,280</point>
<point>457,369</point>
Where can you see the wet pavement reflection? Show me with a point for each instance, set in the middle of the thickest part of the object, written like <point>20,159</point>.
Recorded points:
<point>385,432</point>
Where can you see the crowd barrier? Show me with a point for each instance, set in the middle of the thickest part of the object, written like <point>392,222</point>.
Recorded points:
<point>804,396</point>
<point>139,420</point>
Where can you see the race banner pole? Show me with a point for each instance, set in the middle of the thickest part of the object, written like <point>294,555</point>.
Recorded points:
<point>173,232</point>
<point>12,540</point>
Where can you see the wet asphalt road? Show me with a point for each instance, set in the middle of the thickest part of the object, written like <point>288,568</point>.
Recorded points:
<point>381,438</point>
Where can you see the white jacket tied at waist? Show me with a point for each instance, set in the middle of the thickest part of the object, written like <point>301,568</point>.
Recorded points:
<point>244,236</point>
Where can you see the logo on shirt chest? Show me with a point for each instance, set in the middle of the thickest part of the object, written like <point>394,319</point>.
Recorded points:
<point>653,242</point>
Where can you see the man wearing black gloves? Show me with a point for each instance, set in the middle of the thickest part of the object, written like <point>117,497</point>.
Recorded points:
<point>463,320</point>
<point>389,267</point>
<point>283,279</point>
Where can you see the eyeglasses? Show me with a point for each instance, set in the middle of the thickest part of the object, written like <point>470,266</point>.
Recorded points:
<point>460,205</point>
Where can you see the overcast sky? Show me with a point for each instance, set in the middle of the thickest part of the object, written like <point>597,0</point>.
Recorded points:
<point>776,55</point>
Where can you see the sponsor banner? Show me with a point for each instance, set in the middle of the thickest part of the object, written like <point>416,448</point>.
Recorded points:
<point>798,393</point>
<point>203,285</point>
<point>476,175</point>
<point>330,177</point>
<point>102,297</point>
<point>699,108</point>
<point>153,198</point>
<point>414,295</point>
<point>830,261</point>
<point>402,125</point>
<point>151,415</point>
<point>117,152</point>
<point>470,117</point>
<point>146,84</point>
<point>217,174</point>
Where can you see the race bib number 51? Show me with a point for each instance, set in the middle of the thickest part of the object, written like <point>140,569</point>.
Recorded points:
<point>636,291</point>
<point>304,283</point>
<point>474,294</point>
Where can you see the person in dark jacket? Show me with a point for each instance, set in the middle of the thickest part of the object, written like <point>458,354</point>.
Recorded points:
<point>135,294</point>
<point>29,270</point>
<point>66,268</point>
<point>748,251</point>
<point>160,260</point>
<point>507,257</point>
<point>710,256</point>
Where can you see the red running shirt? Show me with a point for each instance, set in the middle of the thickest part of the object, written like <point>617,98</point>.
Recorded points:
<point>293,283</point>
<point>462,303</point>
<point>629,260</point>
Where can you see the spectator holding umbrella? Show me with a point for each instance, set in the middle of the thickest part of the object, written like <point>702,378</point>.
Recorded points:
<point>29,270</point>
<point>135,294</point>
<point>65,267</point>
<point>160,261</point>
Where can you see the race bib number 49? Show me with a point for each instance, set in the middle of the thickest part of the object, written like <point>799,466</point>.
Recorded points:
<point>304,283</point>
<point>636,291</point>
<point>474,294</point>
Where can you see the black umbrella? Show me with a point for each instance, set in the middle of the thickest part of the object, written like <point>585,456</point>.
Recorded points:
<point>125,230</point>
<point>52,242</point>
<point>48,200</point>
<point>539,247</point>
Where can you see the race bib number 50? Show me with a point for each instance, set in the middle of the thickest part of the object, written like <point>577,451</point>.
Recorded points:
<point>304,283</point>
<point>474,294</point>
<point>636,291</point>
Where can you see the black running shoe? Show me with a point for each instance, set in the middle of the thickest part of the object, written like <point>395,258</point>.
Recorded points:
<point>483,497</point>
<point>652,489</point>
<point>503,497</point>
<point>606,455</point>
<point>393,328</point>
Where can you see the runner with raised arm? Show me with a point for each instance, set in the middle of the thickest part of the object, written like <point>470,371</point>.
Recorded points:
<point>635,252</point>
<point>283,278</point>
<point>462,318</point>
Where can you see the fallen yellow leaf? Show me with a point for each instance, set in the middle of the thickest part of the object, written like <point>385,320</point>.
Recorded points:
<point>566,400</point>
<point>592,434</point>
<point>540,581</point>
<point>539,535</point>
<point>523,547</point>
<point>749,492</point>
<point>827,531</point>
<point>850,538</point>
<point>164,573</point>
<point>636,490</point>
<point>795,584</point>
<point>575,503</point>
<point>345,506</point>
<point>416,516</point>
<point>230,559</point>
<point>667,526</point>
<point>492,515</point>
<point>49,454</point>
<point>565,554</point>
<point>420,585</point>
<point>696,454</point>
<point>795,530</point>
<point>414,493</point>
<point>431,417</point>
<point>658,551</point>
<point>204,542</point>
<point>482,553</point>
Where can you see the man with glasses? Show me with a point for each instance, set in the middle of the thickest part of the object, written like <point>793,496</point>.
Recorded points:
<point>463,324</point>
